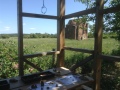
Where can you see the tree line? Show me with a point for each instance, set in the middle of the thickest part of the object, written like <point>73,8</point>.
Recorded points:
<point>32,35</point>
<point>46,35</point>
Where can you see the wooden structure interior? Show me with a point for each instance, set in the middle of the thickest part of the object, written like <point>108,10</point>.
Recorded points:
<point>96,54</point>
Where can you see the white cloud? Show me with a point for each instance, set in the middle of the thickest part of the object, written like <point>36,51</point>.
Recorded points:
<point>32,28</point>
<point>7,28</point>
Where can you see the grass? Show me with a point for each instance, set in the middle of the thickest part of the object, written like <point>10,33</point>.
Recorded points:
<point>47,44</point>
<point>9,52</point>
<point>9,57</point>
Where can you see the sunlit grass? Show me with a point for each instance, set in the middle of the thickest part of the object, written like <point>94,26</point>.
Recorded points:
<point>9,51</point>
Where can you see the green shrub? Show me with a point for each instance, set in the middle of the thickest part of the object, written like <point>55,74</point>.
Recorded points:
<point>4,36</point>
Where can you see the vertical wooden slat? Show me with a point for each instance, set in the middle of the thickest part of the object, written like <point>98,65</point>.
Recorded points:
<point>60,31</point>
<point>98,43</point>
<point>53,59</point>
<point>20,37</point>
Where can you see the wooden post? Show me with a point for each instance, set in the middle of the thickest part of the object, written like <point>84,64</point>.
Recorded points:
<point>53,59</point>
<point>98,43</point>
<point>60,32</point>
<point>20,37</point>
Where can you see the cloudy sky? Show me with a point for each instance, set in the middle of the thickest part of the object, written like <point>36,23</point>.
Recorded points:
<point>8,15</point>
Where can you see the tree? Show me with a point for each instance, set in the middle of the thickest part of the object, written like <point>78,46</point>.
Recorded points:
<point>4,36</point>
<point>112,25</point>
<point>111,20</point>
<point>33,35</point>
<point>115,22</point>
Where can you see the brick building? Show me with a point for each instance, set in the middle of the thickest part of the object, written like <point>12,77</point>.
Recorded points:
<point>77,31</point>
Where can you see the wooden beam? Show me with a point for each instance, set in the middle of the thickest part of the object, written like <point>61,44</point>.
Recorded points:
<point>111,10</point>
<point>34,66</point>
<point>20,36</point>
<point>60,32</point>
<point>98,43</point>
<point>81,63</point>
<point>80,13</point>
<point>41,54</point>
<point>110,58</point>
<point>79,50</point>
<point>39,16</point>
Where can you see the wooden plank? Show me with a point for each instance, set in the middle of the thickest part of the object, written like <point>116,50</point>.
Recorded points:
<point>60,32</point>
<point>110,58</point>
<point>79,50</point>
<point>38,16</point>
<point>53,59</point>
<point>80,13</point>
<point>98,44</point>
<point>34,66</point>
<point>81,63</point>
<point>20,37</point>
<point>41,54</point>
<point>111,10</point>
<point>92,10</point>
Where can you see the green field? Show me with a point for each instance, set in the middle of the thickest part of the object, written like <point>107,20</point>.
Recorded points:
<point>47,44</point>
<point>9,52</point>
<point>9,56</point>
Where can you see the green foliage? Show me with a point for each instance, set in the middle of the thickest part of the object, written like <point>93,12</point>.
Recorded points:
<point>91,31</point>
<point>111,20</point>
<point>111,73</point>
<point>90,35</point>
<point>9,58</point>
<point>39,35</point>
<point>109,35</point>
<point>32,35</point>
<point>81,20</point>
<point>4,36</point>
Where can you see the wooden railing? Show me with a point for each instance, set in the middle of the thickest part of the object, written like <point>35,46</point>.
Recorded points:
<point>110,58</point>
<point>105,57</point>
<point>39,55</point>
<point>111,10</point>
<point>79,50</point>
<point>38,16</point>
<point>27,56</point>
<point>33,65</point>
<point>98,10</point>
<point>81,63</point>
<point>80,13</point>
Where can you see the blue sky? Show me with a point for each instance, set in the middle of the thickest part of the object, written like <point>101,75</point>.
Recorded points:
<point>8,15</point>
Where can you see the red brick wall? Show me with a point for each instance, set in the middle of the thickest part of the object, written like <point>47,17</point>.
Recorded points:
<point>74,31</point>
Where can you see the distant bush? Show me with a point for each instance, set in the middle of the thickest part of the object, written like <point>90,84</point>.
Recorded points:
<point>4,36</point>
<point>39,35</point>
<point>90,35</point>
<point>106,36</point>
<point>109,35</point>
